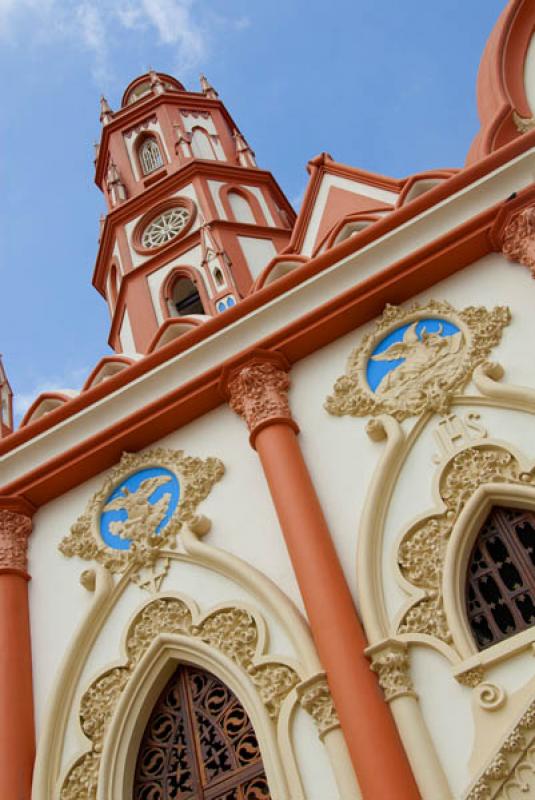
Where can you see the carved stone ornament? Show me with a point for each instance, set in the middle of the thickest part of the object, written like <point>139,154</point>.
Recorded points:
<point>511,772</point>
<point>422,551</point>
<point>315,697</point>
<point>390,661</point>
<point>518,238</point>
<point>232,630</point>
<point>415,359</point>
<point>258,392</point>
<point>14,531</point>
<point>139,511</point>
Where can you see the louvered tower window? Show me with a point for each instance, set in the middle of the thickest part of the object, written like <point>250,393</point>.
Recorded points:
<point>500,585</point>
<point>150,156</point>
<point>199,744</point>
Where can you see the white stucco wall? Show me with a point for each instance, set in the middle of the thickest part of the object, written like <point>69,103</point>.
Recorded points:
<point>258,253</point>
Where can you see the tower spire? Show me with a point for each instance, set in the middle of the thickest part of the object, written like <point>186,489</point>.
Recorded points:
<point>156,82</point>
<point>106,113</point>
<point>207,89</point>
<point>246,156</point>
<point>6,403</point>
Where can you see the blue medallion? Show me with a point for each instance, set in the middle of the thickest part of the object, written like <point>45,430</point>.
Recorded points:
<point>147,497</point>
<point>417,345</point>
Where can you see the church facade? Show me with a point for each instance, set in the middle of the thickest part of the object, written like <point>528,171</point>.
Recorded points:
<point>282,542</point>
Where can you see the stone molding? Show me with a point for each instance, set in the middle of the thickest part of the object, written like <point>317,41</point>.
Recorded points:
<point>15,528</point>
<point>257,391</point>
<point>518,238</point>
<point>390,661</point>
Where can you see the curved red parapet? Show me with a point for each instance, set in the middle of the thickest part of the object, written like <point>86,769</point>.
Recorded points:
<point>501,95</point>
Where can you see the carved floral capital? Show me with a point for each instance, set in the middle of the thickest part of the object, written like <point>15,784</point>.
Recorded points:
<point>390,661</point>
<point>518,238</point>
<point>15,528</point>
<point>258,392</point>
<point>315,697</point>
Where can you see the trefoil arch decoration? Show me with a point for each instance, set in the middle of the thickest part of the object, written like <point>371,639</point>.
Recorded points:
<point>415,359</point>
<point>140,509</point>
<point>433,554</point>
<point>234,634</point>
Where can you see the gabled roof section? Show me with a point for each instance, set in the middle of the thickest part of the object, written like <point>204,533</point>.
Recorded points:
<point>334,191</point>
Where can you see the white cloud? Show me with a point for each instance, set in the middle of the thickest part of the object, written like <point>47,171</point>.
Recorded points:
<point>174,24</point>
<point>93,35</point>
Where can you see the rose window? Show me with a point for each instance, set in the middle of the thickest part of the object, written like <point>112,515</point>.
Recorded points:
<point>165,226</point>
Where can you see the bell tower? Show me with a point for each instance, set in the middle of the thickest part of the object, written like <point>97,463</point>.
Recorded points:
<point>191,220</point>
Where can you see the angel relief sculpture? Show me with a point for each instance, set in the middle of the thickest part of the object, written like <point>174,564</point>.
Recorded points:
<point>423,355</point>
<point>416,359</point>
<point>132,521</point>
<point>141,514</point>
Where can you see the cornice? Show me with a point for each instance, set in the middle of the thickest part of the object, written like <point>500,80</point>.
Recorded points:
<point>344,312</point>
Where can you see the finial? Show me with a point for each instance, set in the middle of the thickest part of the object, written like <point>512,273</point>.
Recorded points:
<point>96,147</point>
<point>106,113</point>
<point>207,89</point>
<point>245,155</point>
<point>156,82</point>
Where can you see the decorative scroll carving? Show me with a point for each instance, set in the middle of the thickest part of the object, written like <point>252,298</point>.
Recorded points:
<point>233,631</point>
<point>258,392</point>
<point>390,661</point>
<point>518,238</point>
<point>422,550</point>
<point>139,518</point>
<point>14,531</point>
<point>511,772</point>
<point>315,697</point>
<point>433,354</point>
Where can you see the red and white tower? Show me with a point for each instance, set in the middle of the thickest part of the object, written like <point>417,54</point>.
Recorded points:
<point>191,220</point>
<point>6,403</point>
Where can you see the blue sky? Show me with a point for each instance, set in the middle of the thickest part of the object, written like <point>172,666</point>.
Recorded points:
<point>380,84</point>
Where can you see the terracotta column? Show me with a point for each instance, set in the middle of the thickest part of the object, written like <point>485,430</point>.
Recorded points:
<point>257,391</point>
<point>17,736</point>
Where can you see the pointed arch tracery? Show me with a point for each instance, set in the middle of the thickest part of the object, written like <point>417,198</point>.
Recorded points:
<point>500,580</point>
<point>199,744</point>
<point>149,155</point>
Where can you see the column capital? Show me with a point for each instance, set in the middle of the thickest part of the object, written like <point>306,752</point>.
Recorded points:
<point>257,390</point>
<point>517,237</point>
<point>15,528</point>
<point>390,662</point>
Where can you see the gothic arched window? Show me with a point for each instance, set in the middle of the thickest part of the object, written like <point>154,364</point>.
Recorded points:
<point>500,584</point>
<point>150,157</point>
<point>199,744</point>
<point>186,298</point>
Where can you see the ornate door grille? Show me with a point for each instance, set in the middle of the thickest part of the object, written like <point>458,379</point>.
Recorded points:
<point>500,584</point>
<point>199,744</point>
